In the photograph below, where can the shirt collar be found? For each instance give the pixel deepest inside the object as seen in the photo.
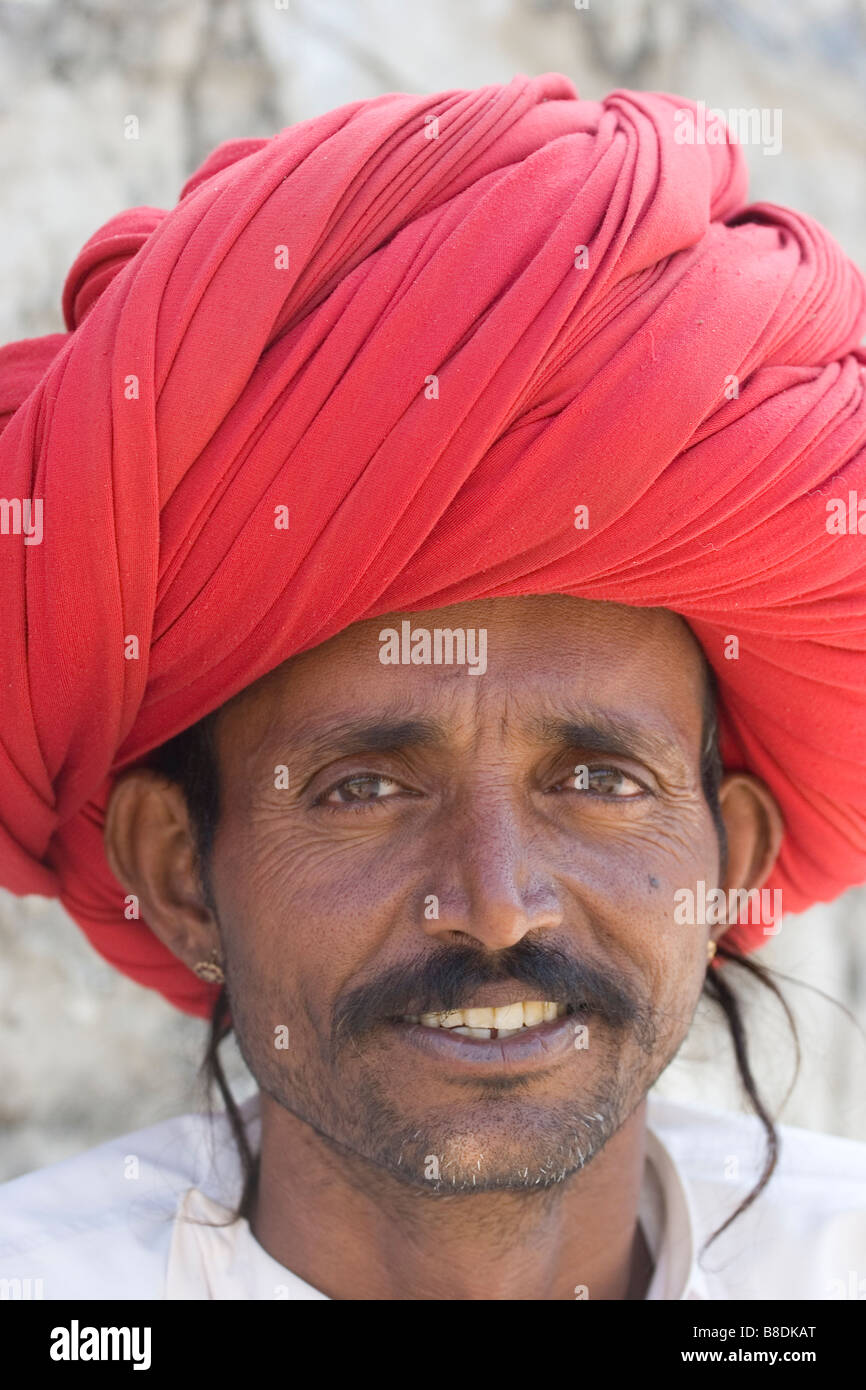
(668, 1221)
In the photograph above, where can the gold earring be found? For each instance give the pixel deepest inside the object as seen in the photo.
(210, 970)
(711, 950)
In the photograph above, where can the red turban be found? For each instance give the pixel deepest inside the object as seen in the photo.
(383, 320)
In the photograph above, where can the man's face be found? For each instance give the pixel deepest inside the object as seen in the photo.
(434, 849)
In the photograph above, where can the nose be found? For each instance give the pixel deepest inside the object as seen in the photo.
(491, 886)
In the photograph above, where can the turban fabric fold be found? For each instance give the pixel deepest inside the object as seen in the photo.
(431, 327)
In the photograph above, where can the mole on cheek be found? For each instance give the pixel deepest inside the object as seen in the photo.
(653, 881)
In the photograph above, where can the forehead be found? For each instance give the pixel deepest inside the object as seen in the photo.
(640, 664)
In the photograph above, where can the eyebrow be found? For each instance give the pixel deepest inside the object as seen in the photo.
(593, 730)
(599, 732)
(378, 734)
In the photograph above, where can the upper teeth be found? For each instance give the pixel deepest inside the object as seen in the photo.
(508, 1017)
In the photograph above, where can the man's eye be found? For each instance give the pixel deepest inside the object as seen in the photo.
(359, 789)
(603, 781)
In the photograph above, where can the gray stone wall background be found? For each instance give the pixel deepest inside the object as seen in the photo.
(85, 1053)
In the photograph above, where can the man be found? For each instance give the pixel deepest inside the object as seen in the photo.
(404, 487)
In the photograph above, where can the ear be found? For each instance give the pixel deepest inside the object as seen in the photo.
(150, 847)
(755, 829)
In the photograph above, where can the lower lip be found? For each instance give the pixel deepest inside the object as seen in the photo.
(532, 1049)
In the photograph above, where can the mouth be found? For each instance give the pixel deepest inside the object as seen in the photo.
(504, 1021)
(517, 1039)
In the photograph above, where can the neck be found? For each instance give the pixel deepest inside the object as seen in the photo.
(353, 1231)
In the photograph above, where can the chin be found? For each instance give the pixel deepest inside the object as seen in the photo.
(527, 1148)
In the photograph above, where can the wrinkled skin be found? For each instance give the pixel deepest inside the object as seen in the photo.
(322, 890)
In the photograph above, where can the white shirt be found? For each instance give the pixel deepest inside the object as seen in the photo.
(111, 1222)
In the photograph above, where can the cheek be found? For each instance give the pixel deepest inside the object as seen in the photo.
(302, 913)
(626, 883)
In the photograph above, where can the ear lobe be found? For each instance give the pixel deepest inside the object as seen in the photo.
(150, 849)
(755, 830)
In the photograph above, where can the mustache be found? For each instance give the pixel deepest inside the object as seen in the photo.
(449, 978)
